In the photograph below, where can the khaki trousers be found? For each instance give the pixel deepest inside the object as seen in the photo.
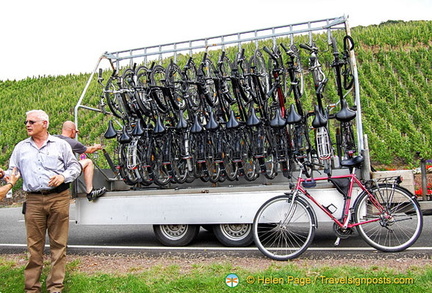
(46, 213)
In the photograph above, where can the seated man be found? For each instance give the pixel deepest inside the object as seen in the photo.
(69, 132)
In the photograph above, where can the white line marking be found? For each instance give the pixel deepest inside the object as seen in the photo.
(213, 248)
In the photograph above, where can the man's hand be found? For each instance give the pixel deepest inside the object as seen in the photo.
(56, 180)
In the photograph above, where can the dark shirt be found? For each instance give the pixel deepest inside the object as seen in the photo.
(77, 147)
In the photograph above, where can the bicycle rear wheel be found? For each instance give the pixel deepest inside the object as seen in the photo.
(284, 229)
(395, 229)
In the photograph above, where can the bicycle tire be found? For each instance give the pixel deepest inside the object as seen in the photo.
(190, 75)
(157, 82)
(258, 67)
(142, 87)
(175, 84)
(284, 230)
(398, 228)
(179, 163)
(208, 82)
(159, 174)
(114, 98)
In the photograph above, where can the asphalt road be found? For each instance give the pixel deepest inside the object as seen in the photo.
(140, 238)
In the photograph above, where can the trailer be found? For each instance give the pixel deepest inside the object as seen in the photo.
(178, 211)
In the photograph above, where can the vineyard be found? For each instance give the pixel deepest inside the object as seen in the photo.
(394, 65)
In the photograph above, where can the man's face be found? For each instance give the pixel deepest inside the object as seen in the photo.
(34, 125)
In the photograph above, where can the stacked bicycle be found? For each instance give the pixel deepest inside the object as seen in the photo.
(226, 119)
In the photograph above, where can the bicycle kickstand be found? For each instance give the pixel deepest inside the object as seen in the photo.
(337, 241)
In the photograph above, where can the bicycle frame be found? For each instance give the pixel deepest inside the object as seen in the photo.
(344, 222)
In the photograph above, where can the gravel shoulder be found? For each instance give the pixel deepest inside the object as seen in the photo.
(138, 263)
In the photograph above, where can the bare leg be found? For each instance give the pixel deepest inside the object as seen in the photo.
(88, 171)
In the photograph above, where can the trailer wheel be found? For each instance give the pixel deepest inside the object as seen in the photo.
(234, 234)
(175, 235)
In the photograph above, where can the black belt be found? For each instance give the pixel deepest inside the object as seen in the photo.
(62, 187)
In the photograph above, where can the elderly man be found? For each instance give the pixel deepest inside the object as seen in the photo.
(69, 132)
(47, 166)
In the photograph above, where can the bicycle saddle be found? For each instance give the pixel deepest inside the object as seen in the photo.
(253, 120)
(124, 137)
(138, 130)
(319, 120)
(111, 132)
(232, 122)
(353, 162)
(293, 116)
(278, 121)
(212, 123)
(196, 127)
(345, 114)
(159, 128)
(182, 123)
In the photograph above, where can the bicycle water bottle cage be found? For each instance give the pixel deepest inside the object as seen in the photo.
(196, 127)
(253, 120)
(319, 120)
(111, 132)
(232, 122)
(278, 121)
(182, 123)
(293, 116)
(212, 123)
(159, 128)
(309, 183)
(352, 162)
(345, 114)
(124, 137)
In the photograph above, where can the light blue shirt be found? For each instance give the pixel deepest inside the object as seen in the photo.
(38, 165)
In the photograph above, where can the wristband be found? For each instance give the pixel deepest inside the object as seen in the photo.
(10, 184)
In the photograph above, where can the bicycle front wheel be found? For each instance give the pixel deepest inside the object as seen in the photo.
(394, 229)
(284, 229)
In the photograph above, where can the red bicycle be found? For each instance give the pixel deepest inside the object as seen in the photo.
(386, 215)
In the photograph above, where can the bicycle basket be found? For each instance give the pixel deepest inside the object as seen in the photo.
(341, 184)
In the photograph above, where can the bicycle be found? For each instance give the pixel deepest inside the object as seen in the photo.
(344, 81)
(386, 215)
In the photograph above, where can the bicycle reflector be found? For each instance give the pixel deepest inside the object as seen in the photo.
(309, 183)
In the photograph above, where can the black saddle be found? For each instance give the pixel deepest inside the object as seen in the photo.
(253, 119)
(182, 123)
(345, 114)
(353, 162)
(319, 120)
(232, 122)
(293, 116)
(212, 124)
(159, 128)
(196, 127)
(278, 121)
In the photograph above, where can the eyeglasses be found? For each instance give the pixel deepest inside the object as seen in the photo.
(31, 122)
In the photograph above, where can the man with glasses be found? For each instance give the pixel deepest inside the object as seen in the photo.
(69, 132)
(47, 165)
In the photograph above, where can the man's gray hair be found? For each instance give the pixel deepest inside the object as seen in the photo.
(41, 114)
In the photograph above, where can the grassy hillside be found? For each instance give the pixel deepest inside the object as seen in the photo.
(394, 64)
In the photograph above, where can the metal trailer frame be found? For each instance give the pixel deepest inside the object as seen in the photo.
(116, 59)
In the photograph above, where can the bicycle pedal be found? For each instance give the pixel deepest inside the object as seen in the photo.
(337, 241)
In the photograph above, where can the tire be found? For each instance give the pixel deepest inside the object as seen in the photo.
(283, 230)
(114, 98)
(234, 234)
(399, 229)
(176, 235)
